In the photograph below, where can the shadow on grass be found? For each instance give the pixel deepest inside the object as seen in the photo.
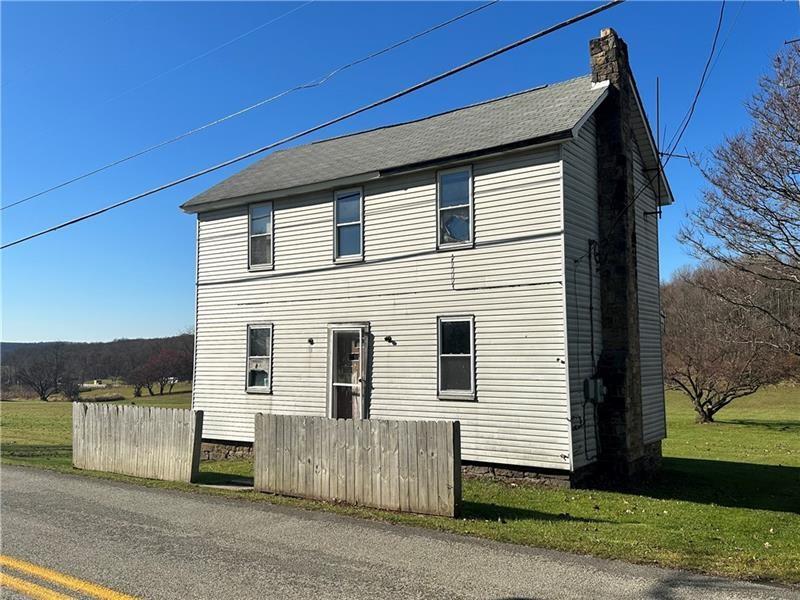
(12, 450)
(784, 426)
(483, 511)
(732, 484)
(219, 478)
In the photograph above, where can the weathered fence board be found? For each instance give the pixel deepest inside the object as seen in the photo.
(412, 466)
(156, 443)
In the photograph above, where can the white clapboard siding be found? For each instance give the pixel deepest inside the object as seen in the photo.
(653, 413)
(581, 224)
(512, 282)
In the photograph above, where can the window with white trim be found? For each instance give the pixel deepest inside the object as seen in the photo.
(259, 358)
(348, 211)
(456, 356)
(454, 207)
(260, 230)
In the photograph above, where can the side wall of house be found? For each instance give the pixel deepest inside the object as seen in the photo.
(653, 410)
(584, 324)
(511, 281)
(581, 225)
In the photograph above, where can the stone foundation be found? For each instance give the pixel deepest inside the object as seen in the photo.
(514, 474)
(213, 450)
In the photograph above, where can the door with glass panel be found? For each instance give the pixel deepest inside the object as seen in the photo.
(348, 372)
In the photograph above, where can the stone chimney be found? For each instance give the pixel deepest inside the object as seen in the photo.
(623, 453)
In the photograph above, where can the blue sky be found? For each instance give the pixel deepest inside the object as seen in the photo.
(85, 83)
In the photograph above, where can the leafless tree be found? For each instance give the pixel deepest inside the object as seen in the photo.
(41, 369)
(70, 386)
(749, 218)
(712, 350)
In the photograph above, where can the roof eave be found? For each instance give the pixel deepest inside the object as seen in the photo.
(553, 138)
(199, 207)
(665, 198)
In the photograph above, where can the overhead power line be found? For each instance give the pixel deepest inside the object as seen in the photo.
(309, 84)
(210, 51)
(339, 119)
(672, 146)
(678, 135)
(703, 78)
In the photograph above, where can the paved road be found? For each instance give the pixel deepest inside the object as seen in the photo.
(155, 543)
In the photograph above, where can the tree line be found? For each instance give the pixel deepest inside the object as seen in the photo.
(49, 368)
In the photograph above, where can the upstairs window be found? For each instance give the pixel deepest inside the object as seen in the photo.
(456, 358)
(454, 207)
(348, 211)
(259, 358)
(260, 235)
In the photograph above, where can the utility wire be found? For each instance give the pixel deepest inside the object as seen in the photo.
(688, 117)
(685, 121)
(209, 52)
(310, 84)
(339, 119)
(671, 146)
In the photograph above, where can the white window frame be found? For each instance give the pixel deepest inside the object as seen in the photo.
(470, 394)
(270, 233)
(471, 206)
(266, 389)
(348, 257)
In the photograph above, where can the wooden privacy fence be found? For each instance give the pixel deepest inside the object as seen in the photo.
(412, 466)
(157, 443)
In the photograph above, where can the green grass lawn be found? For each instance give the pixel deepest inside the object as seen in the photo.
(727, 501)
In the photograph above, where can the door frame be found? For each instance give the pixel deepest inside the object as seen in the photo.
(363, 327)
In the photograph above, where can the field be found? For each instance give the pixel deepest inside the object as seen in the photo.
(727, 501)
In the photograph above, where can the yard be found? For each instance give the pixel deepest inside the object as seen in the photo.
(727, 501)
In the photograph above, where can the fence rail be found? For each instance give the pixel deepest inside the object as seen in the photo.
(412, 466)
(157, 443)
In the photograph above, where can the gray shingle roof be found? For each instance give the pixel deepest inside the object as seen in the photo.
(540, 113)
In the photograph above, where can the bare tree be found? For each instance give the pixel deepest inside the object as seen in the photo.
(41, 368)
(71, 386)
(749, 219)
(712, 350)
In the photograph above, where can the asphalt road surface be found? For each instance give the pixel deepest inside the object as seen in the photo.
(76, 535)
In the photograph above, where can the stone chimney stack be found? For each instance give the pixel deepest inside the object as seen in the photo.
(623, 452)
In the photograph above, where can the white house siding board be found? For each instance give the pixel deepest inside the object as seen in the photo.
(653, 417)
(581, 223)
(511, 281)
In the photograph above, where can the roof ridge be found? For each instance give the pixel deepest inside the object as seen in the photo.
(449, 111)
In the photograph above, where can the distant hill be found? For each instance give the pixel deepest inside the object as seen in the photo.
(6, 348)
(101, 358)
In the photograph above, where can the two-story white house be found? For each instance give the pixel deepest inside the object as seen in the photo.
(495, 264)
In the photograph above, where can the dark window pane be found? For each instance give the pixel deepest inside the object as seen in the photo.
(261, 250)
(346, 402)
(260, 217)
(349, 240)
(454, 189)
(454, 225)
(348, 357)
(456, 374)
(456, 337)
(258, 379)
(259, 342)
(348, 208)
